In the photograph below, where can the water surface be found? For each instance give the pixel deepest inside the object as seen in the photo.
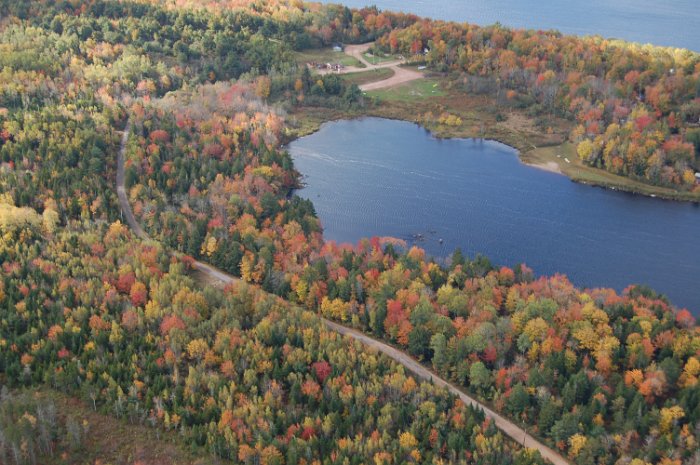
(674, 23)
(390, 178)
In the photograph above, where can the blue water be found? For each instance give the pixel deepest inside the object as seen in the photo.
(674, 23)
(390, 178)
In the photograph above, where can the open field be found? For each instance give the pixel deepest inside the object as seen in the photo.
(116, 442)
(379, 59)
(411, 91)
(327, 55)
(365, 77)
(422, 101)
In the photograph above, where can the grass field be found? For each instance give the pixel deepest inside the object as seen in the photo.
(379, 59)
(365, 77)
(327, 55)
(112, 441)
(411, 91)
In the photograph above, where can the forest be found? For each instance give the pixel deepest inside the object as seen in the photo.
(242, 373)
(249, 373)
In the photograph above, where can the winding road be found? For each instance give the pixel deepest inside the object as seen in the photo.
(401, 75)
(518, 434)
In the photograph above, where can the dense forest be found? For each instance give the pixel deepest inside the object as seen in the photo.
(249, 373)
(250, 377)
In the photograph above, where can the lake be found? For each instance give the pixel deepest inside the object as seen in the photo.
(378, 177)
(673, 23)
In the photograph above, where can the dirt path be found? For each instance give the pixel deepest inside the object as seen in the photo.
(515, 432)
(401, 75)
(121, 190)
(130, 219)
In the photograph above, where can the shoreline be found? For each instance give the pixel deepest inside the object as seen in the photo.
(537, 148)
(550, 167)
(524, 156)
(320, 116)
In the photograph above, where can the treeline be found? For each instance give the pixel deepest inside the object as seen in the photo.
(32, 427)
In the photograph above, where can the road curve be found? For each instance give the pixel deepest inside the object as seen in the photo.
(518, 434)
(515, 432)
(401, 75)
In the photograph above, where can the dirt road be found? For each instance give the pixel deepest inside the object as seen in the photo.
(121, 190)
(128, 214)
(401, 75)
(517, 433)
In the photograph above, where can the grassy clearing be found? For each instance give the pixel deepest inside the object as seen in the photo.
(410, 92)
(379, 59)
(327, 55)
(577, 171)
(414, 100)
(365, 77)
(116, 442)
(481, 115)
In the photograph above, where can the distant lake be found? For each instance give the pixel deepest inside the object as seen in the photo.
(674, 23)
(378, 177)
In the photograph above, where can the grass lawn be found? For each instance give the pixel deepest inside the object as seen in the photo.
(365, 77)
(327, 55)
(411, 91)
(379, 59)
(577, 171)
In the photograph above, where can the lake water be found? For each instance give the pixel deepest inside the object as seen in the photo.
(377, 177)
(673, 23)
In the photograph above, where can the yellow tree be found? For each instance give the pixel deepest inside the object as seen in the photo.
(262, 87)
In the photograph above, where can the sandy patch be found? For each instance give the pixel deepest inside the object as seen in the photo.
(550, 166)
